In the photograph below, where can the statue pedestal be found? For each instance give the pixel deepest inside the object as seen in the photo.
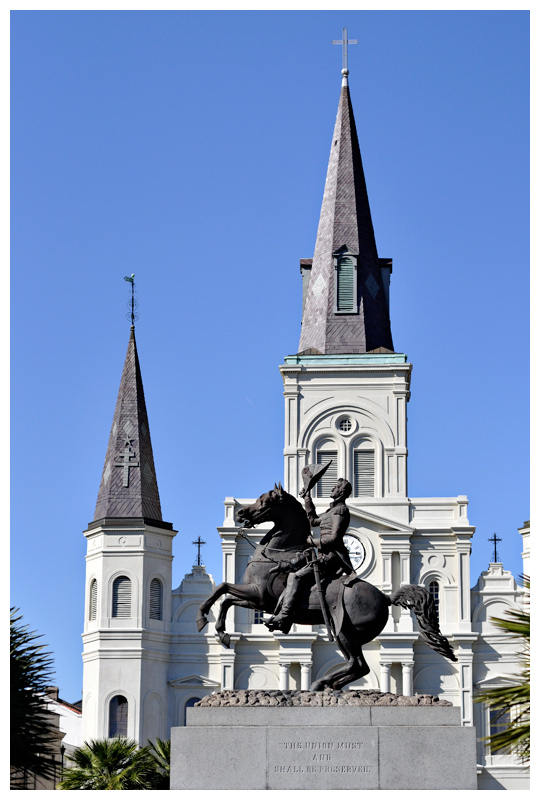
(323, 747)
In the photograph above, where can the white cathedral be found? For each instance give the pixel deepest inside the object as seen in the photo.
(346, 394)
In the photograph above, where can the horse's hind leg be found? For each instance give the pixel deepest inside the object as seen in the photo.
(241, 591)
(356, 668)
(224, 637)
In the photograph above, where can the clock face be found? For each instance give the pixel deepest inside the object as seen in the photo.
(356, 550)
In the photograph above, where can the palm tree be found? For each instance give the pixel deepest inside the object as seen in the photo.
(32, 732)
(110, 764)
(161, 752)
(513, 701)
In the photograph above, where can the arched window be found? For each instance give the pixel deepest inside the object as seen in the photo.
(498, 722)
(121, 599)
(328, 480)
(364, 470)
(118, 716)
(93, 600)
(156, 599)
(433, 589)
(190, 703)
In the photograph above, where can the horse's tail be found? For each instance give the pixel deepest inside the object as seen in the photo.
(421, 602)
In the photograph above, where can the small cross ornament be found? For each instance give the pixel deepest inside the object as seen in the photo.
(199, 542)
(345, 42)
(495, 539)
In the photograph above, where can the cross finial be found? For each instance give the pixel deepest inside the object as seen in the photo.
(495, 539)
(345, 42)
(199, 542)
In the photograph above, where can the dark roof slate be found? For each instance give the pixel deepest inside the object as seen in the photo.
(345, 220)
(128, 486)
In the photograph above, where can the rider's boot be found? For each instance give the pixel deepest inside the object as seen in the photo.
(283, 619)
(350, 579)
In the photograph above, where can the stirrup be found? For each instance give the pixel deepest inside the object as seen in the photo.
(279, 622)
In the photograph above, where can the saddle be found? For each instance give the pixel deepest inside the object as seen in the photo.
(333, 592)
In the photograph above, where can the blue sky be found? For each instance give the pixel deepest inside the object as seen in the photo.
(190, 148)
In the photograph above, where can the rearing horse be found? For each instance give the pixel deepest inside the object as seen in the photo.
(364, 611)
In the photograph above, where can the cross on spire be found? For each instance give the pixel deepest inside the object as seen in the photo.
(199, 542)
(126, 454)
(495, 539)
(345, 42)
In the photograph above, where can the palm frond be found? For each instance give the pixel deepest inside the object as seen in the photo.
(32, 731)
(514, 699)
(110, 764)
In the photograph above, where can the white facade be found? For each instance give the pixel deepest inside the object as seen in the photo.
(162, 666)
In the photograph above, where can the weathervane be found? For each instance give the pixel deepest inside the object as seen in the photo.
(199, 542)
(133, 303)
(495, 539)
(345, 42)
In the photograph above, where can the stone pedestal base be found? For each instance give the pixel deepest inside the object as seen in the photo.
(325, 747)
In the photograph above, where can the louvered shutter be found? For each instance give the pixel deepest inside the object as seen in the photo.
(364, 473)
(93, 599)
(121, 606)
(156, 599)
(345, 277)
(328, 480)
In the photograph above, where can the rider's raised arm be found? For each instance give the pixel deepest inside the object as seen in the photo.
(314, 521)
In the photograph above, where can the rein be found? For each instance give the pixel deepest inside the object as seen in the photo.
(263, 551)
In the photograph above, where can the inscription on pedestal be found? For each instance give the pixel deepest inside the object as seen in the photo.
(308, 758)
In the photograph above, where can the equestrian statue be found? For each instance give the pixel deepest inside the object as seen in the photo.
(311, 581)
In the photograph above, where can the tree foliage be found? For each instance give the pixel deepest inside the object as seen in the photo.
(514, 699)
(31, 730)
(119, 763)
(116, 763)
(161, 752)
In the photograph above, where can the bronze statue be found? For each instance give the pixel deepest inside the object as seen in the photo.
(295, 582)
(332, 557)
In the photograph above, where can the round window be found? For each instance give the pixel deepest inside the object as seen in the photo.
(345, 424)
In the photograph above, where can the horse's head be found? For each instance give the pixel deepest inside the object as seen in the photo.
(269, 507)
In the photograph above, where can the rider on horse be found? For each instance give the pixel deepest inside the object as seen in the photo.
(333, 554)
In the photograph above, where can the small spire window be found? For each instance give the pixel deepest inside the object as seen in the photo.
(345, 295)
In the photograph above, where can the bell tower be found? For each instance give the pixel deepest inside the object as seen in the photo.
(127, 625)
(346, 390)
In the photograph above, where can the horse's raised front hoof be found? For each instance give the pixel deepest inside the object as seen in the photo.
(202, 622)
(225, 639)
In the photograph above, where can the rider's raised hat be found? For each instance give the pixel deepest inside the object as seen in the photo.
(312, 473)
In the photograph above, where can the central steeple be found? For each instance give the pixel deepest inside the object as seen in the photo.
(346, 304)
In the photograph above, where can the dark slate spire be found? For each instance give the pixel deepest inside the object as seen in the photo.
(128, 486)
(345, 223)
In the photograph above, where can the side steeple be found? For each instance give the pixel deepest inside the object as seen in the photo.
(346, 307)
(128, 486)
